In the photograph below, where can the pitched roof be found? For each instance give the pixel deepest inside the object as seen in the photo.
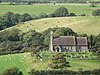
(64, 40)
(69, 40)
(81, 41)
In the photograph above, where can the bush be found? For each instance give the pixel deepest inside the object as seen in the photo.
(12, 71)
(61, 12)
(42, 15)
(96, 12)
(25, 17)
(92, 4)
(72, 14)
(82, 15)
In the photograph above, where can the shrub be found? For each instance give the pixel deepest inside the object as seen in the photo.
(72, 14)
(96, 12)
(12, 71)
(61, 12)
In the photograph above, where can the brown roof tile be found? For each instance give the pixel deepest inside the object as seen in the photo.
(64, 40)
(81, 41)
(70, 40)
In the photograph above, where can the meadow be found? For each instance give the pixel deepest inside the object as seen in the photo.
(75, 64)
(12, 60)
(80, 24)
(47, 8)
(87, 24)
(26, 62)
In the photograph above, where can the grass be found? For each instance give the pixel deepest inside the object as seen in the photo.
(85, 64)
(13, 60)
(75, 64)
(37, 9)
(88, 24)
(26, 62)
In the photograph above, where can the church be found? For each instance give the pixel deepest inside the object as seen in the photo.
(68, 44)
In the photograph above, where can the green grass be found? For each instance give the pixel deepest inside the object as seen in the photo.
(13, 60)
(75, 64)
(26, 62)
(85, 64)
(37, 9)
(88, 24)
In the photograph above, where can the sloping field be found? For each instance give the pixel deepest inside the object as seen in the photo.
(13, 60)
(88, 24)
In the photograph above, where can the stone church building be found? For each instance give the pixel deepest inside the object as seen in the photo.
(68, 44)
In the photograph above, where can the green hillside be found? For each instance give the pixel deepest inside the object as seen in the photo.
(37, 9)
(88, 24)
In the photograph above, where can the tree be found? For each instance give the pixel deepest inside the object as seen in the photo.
(42, 15)
(96, 12)
(14, 35)
(72, 14)
(25, 17)
(57, 32)
(61, 12)
(12, 71)
(64, 32)
(92, 41)
(58, 61)
(93, 4)
(0, 1)
(9, 19)
(15, 19)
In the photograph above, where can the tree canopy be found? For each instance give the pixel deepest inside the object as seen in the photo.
(96, 12)
(61, 12)
(12, 71)
(58, 61)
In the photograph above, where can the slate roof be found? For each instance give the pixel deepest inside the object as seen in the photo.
(69, 40)
(81, 41)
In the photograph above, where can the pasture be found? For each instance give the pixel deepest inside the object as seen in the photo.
(88, 24)
(75, 64)
(13, 60)
(26, 62)
(47, 8)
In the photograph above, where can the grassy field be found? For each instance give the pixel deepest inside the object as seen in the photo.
(26, 62)
(88, 24)
(75, 64)
(13, 60)
(37, 9)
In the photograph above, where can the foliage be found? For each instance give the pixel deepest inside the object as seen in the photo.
(96, 12)
(14, 40)
(0, 1)
(25, 17)
(42, 15)
(12, 71)
(72, 14)
(57, 32)
(61, 12)
(65, 72)
(58, 61)
(93, 4)
(10, 19)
